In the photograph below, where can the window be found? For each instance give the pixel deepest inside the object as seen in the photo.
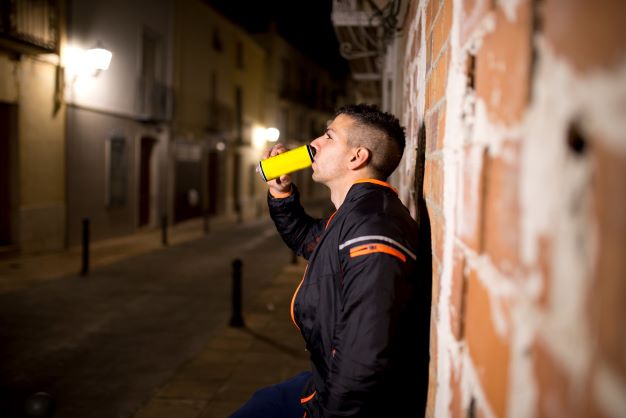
(116, 154)
(239, 114)
(217, 41)
(239, 55)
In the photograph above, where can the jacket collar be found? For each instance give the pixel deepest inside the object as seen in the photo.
(376, 181)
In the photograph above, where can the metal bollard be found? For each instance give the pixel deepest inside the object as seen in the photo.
(164, 230)
(41, 405)
(236, 320)
(85, 268)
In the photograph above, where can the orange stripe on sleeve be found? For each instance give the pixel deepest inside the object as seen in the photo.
(376, 248)
(308, 398)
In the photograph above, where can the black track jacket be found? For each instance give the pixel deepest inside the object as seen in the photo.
(361, 307)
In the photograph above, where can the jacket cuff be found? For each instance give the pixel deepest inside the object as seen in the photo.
(281, 195)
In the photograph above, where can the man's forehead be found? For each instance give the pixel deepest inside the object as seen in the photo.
(339, 122)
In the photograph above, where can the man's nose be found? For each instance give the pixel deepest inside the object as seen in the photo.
(315, 144)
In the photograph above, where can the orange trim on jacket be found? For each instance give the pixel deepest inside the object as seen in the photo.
(376, 248)
(293, 299)
(376, 181)
(308, 398)
(281, 195)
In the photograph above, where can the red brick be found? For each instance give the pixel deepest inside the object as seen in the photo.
(589, 34)
(435, 123)
(503, 65)
(436, 286)
(473, 13)
(436, 84)
(436, 183)
(607, 303)
(441, 126)
(437, 228)
(458, 294)
(441, 29)
(474, 172)
(428, 172)
(557, 396)
(431, 123)
(429, 51)
(501, 220)
(431, 13)
(489, 351)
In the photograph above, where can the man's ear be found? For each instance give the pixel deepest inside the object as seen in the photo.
(359, 158)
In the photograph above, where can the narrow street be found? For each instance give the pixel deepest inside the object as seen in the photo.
(102, 344)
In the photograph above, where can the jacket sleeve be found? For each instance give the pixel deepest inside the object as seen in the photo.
(300, 231)
(376, 291)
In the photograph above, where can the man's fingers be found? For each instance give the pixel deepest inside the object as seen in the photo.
(277, 149)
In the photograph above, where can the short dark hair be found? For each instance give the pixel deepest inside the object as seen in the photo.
(386, 142)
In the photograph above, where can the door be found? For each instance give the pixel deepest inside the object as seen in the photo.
(212, 185)
(8, 131)
(147, 145)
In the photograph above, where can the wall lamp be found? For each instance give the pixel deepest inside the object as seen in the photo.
(98, 58)
(91, 62)
(261, 135)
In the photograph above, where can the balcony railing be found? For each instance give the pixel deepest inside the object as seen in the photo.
(221, 120)
(31, 23)
(155, 100)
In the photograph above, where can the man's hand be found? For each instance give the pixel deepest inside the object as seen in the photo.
(282, 184)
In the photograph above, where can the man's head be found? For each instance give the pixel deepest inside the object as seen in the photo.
(361, 140)
(380, 133)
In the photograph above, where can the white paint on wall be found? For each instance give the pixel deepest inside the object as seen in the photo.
(522, 389)
(452, 180)
(471, 387)
(609, 391)
(510, 8)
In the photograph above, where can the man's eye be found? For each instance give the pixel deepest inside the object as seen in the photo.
(328, 136)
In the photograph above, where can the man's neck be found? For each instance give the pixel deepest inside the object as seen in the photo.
(339, 189)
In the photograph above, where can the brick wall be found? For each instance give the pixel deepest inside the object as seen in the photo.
(523, 106)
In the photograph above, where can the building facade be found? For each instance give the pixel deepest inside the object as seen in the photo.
(219, 116)
(117, 120)
(32, 127)
(301, 98)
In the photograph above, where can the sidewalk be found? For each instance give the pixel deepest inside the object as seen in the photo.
(237, 361)
(22, 271)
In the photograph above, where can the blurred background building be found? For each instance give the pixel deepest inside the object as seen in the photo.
(162, 114)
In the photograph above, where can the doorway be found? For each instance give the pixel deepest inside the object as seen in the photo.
(145, 179)
(212, 185)
(8, 132)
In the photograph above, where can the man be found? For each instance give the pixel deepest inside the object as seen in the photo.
(361, 306)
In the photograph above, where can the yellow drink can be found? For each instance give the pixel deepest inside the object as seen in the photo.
(287, 162)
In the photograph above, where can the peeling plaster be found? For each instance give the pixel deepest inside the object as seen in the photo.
(555, 201)
(475, 42)
(471, 387)
(452, 173)
(500, 288)
(510, 8)
(610, 391)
